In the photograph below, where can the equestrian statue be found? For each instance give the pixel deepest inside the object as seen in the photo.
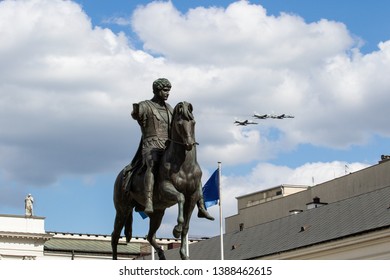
(163, 172)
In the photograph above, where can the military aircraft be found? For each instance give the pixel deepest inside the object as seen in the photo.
(244, 123)
(262, 117)
(278, 116)
(282, 116)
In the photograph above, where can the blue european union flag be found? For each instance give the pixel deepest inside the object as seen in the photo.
(143, 215)
(211, 190)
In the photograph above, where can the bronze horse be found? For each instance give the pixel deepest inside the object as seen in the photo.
(177, 182)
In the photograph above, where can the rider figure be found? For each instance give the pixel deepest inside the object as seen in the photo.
(154, 117)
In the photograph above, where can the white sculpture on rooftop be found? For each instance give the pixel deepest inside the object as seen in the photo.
(28, 205)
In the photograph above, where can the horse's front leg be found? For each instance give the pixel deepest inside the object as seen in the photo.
(172, 194)
(188, 209)
(177, 230)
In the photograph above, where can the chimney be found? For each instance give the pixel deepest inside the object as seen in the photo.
(384, 158)
(315, 204)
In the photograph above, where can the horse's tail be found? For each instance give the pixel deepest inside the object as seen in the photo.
(129, 226)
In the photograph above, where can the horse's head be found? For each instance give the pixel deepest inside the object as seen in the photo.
(183, 125)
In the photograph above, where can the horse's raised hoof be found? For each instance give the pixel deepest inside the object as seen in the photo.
(177, 231)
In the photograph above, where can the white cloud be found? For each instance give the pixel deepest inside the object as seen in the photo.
(240, 34)
(118, 20)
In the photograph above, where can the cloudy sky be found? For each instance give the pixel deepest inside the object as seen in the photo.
(71, 70)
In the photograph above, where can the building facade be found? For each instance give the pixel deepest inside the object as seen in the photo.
(22, 237)
(250, 214)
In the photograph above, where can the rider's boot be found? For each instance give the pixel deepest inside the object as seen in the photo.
(202, 212)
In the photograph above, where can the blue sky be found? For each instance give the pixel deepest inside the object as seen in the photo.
(71, 70)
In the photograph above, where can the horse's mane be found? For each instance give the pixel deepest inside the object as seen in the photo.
(183, 109)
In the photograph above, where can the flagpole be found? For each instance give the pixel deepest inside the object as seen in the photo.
(220, 209)
(152, 252)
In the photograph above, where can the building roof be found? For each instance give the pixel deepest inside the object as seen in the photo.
(98, 244)
(274, 188)
(345, 218)
(90, 244)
